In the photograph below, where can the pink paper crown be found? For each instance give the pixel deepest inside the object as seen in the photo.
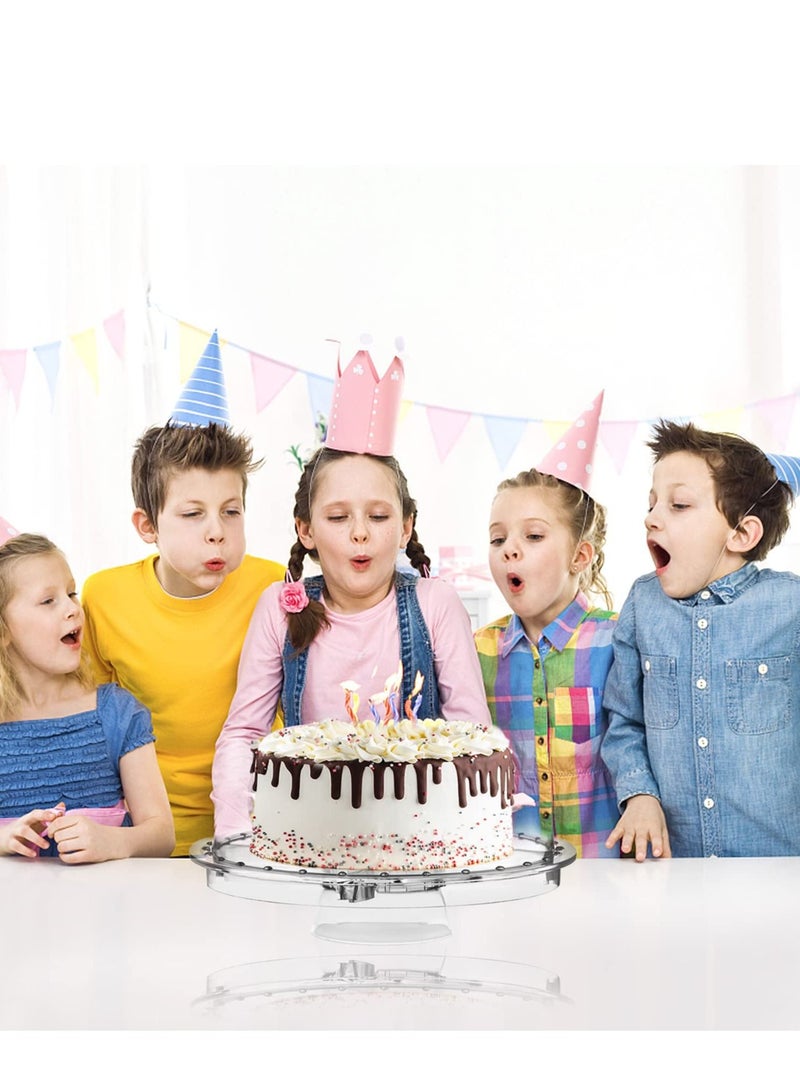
(364, 410)
(572, 457)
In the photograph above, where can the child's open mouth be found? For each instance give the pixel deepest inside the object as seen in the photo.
(660, 556)
(515, 584)
(71, 638)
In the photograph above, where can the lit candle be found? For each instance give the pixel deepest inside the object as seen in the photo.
(351, 699)
(413, 708)
(393, 684)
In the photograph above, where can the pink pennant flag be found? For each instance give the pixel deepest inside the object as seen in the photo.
(269, 378)
(12, 365)
(115, 332)
(617, 436)
(446, 426)
(778, 413)
(6, 531)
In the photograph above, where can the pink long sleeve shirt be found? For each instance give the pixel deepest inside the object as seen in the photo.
(362, 647)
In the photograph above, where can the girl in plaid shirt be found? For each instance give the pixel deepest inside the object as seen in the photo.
(545, 665)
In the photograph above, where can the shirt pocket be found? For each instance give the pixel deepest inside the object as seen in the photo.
(660, 691)
(577, 713)
(758, 694)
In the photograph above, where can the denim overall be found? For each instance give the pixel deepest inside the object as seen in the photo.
(416, 653)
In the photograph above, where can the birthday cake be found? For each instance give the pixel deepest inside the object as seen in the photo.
(394, 795)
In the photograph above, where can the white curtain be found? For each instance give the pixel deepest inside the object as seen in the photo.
(518, 292)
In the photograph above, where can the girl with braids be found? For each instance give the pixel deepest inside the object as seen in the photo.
(545, 665)
(354, 622)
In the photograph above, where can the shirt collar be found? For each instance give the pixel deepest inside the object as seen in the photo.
(726, 588)
(557, 633)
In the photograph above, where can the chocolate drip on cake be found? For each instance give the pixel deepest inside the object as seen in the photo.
(475, 773)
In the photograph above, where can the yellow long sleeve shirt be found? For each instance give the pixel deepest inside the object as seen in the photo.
(180, 658)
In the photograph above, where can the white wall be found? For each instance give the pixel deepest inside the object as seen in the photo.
(520, 292)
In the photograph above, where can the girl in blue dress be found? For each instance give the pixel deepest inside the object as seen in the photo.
(78, 771)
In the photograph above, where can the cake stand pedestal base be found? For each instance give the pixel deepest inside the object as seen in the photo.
(365, 922)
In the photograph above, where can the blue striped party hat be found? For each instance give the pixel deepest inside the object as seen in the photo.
(203, 400)
(787, 468)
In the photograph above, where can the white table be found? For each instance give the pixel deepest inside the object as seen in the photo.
(143, 944)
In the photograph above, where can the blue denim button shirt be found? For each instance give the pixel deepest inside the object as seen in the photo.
(703, 700)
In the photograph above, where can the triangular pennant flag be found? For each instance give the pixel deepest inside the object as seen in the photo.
(617, 436)
(446, 426)
(191, 344)
(269, 378)
(115, 332)
(49, 357)
(6, 531)
(504, 434)
(86, 346)
(12, 365)
(203, 400)
(778, 413)
(320, 392)
(724, 420)
(405, 409)
(554, 429)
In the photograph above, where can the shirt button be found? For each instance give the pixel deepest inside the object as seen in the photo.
(536, 664)
(708, 803)
(540, 740)
(702, 742)
(545, 814)
(705, 594)
(701, 683)
(647, 664)
(762, 668)
(544, 776)
(702, 623)
(540, 700)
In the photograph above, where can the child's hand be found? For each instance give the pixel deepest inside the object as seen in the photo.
(642, 822)
(26, 835)
(81, 840)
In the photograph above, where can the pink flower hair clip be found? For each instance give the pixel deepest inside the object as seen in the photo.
(293, 597)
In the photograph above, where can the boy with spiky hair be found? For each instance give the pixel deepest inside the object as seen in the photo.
(703, 696)
(170, 628)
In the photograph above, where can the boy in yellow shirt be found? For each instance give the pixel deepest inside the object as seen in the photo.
(170, 628)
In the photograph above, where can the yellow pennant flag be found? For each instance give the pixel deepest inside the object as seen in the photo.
(85, 345)
(555, 429)
(726, 420)
(405, 407)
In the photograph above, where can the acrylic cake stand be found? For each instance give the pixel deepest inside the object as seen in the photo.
(382, 906)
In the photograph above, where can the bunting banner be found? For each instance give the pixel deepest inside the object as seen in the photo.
(270, 376)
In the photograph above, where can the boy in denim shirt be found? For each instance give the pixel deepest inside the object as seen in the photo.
(703, 697)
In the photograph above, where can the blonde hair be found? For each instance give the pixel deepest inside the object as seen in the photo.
(11, 553)
(585, 519)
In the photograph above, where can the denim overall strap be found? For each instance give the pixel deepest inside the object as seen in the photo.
(295, 666)
(416, 653)
(416, 650)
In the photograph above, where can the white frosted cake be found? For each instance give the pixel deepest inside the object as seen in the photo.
(408, 795)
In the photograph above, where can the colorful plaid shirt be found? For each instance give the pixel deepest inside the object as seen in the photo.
(548, 699)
